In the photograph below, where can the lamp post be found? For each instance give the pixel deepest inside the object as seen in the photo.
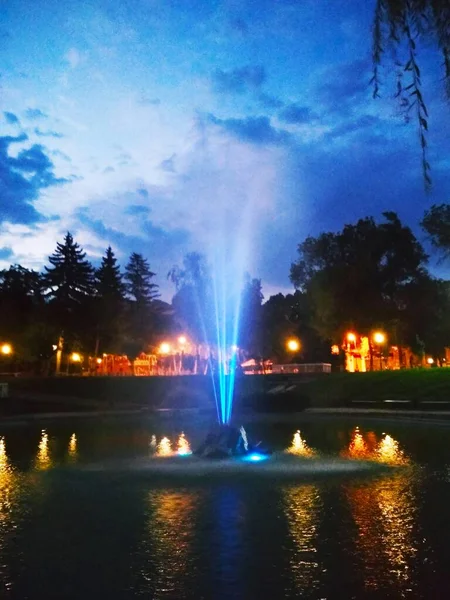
(6, 349)
(379, 338)
(293, 345)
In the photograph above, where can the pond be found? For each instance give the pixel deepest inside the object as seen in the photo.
(74, 526)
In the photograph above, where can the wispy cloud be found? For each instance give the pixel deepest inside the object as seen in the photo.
(238, 81)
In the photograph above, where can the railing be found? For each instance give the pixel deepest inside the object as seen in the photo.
(302, 368)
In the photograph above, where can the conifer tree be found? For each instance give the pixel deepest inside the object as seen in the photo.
(110, 303)
(70, 278)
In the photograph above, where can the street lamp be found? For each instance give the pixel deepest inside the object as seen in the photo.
(164, 348)
(75, 357)
(430, 360)
(6, 349)
(351, 337)
(293, 345)
(182, 340)
(379, 338)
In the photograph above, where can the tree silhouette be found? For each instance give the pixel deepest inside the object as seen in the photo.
(436, 223)
(400, 26)
(110, 303)
(141, 292)
(69, 286)
(70, 278)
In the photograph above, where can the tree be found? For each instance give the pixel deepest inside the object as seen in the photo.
(356, 278)
(141, 292)
(23, 314)
(193, 300)
(138, 278)
(69, 286)
(436, 222)
(71, 277)
(250, 318)
(401, 25)
(110, 303)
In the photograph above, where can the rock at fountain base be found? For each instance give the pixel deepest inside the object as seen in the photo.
(225, 441)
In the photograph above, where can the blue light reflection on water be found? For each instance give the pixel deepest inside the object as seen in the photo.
(255, 457)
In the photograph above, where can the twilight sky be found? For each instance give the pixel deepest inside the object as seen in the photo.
(135, 123)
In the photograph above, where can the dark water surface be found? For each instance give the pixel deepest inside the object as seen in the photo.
(67, 531)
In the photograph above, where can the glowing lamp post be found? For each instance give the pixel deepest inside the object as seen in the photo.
(6, 349)
(182, 340)
(351, 337)
(430, 361)
(164, 348)
(293, 345)
(379, 338)
(75, 357)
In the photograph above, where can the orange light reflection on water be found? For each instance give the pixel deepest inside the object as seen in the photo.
(368, 447)
(43, 459)
(302, 507)
(167, 543)
(385, 513)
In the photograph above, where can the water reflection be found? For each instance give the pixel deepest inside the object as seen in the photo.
(7, 480)
(184, 447)
(385, 514)
(299, 447)
(302, 506)
(164, 447)
(43, 459)
(167, 544)
(72, 450)
(367, 447)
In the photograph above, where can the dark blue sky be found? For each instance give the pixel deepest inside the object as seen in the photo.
(134, 124)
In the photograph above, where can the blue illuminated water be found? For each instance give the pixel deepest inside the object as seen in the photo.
(228, 279)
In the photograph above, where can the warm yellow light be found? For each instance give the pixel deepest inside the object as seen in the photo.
(164, 348)
(75, 357)
(164, 447)
(299, 447)
(379, 337)
(99, 361)
(334, 349)
(183, 445)
(182, 340)
(430, 360)
(6, 349)
(293, 345)
(351, 337)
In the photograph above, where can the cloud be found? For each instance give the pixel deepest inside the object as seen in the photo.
(294, 114)
(73, 57)
(61, 155)
(256, 130)
(152, 237)
(11, 118)
(238, 81)
(344, 87)
(21, 180)
(35, 113)
(269, 101)
(145, 100)
(352, 126)
(137, 210)
(108, 170)
(168, 165)
(47, 133)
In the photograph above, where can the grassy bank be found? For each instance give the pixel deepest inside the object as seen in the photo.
(346, 389)
(272, 393)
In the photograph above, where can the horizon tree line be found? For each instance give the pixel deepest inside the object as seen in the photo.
(368, 275)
